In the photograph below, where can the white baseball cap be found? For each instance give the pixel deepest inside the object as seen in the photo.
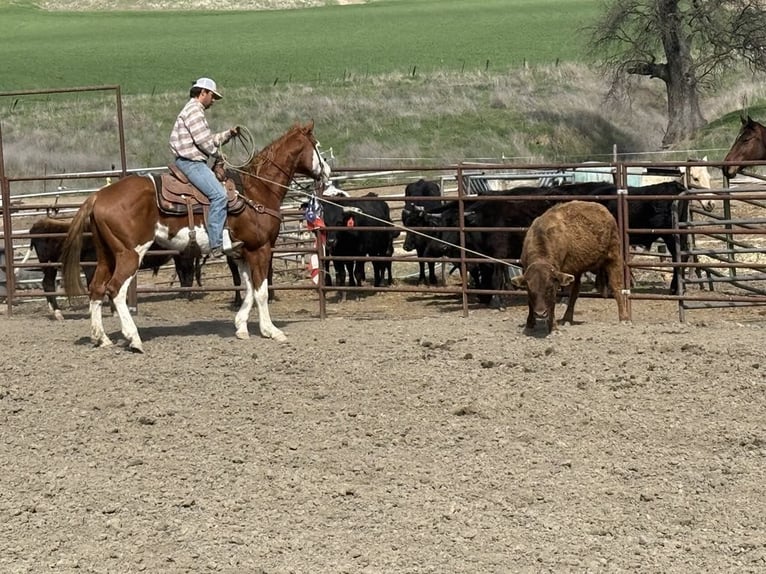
(208, 84)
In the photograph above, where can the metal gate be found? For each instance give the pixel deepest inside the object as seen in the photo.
(725, 257)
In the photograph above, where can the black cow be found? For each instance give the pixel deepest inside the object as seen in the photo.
(357, 242)
(510, 212)
(413, 215)
(49, 250)
(483, 211)
(656, 214)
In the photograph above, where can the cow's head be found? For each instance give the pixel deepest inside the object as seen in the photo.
(542, 282)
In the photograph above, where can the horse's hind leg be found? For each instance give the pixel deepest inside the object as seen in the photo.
(126, 267)
(115, 284)
(129, 329)
(97, 287)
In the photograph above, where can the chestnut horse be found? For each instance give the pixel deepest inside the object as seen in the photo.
(750, 145)
(125, 221)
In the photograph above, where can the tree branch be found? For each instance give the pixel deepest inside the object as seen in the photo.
(653, 70)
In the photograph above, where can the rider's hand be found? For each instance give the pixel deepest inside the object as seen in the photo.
(234, 131)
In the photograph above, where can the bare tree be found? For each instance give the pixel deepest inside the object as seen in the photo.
(688, 44)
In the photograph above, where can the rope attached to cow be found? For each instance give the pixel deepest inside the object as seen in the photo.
(244, 138)
(314, 214)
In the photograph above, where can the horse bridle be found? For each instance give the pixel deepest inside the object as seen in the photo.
(260, 208)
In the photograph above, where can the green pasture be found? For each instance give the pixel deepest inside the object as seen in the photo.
(149, 52)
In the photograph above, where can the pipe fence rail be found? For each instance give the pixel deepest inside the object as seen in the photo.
(704, 268)
(721, 261)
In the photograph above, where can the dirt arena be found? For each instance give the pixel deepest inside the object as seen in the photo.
(393, 436)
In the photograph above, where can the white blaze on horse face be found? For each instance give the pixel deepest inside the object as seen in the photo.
(320, 167)
(180, 241)
(699, 175)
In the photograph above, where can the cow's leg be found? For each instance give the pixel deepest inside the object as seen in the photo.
(49, 286)
(614, 276)
(340, 273)
(422, 274)
(359, 275)
(340, 277)
(420, 251)
(327, 277)
(670, 244)
(432, 280)
(378, 271)
(573, 294)
(236, 277)
(531, 321)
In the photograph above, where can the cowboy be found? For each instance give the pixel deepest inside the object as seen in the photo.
(193, 143)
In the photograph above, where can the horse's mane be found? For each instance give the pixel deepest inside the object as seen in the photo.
(267, 153)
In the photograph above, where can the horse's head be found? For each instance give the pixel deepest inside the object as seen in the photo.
(749, 146)
(309, 161)
(699, 176)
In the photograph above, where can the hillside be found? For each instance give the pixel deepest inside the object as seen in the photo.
(77, 5)
(526, 112)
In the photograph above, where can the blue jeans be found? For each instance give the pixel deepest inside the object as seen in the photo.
(205, 180)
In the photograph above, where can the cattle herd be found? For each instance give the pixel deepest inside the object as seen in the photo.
(568, 236)
(563, 241)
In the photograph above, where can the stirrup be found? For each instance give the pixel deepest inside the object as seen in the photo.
(228, 244)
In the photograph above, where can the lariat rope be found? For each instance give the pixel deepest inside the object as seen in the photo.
(245, 139)
(409, 230)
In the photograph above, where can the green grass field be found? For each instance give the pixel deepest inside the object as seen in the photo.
(493, 79)
(148, 52)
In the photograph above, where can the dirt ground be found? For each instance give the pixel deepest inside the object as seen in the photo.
(394, 436)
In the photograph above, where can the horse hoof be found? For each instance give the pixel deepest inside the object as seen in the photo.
(243, 335)
(58, 315)
(137, 348)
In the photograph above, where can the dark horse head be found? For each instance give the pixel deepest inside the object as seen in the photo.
(750, 145)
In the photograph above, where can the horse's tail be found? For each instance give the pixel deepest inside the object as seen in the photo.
(70, 257)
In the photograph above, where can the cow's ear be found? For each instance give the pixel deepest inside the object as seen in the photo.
(519, 281)
(564, 278)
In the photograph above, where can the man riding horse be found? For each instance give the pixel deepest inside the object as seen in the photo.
(193, 143)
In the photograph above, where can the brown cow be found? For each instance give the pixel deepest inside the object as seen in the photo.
(562, 244)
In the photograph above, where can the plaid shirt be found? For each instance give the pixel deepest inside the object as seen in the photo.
(191, 137)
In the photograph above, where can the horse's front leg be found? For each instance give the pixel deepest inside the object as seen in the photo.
(256, 288)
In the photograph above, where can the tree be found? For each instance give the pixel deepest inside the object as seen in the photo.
(686, 44)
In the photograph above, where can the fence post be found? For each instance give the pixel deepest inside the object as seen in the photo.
(7, 260)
